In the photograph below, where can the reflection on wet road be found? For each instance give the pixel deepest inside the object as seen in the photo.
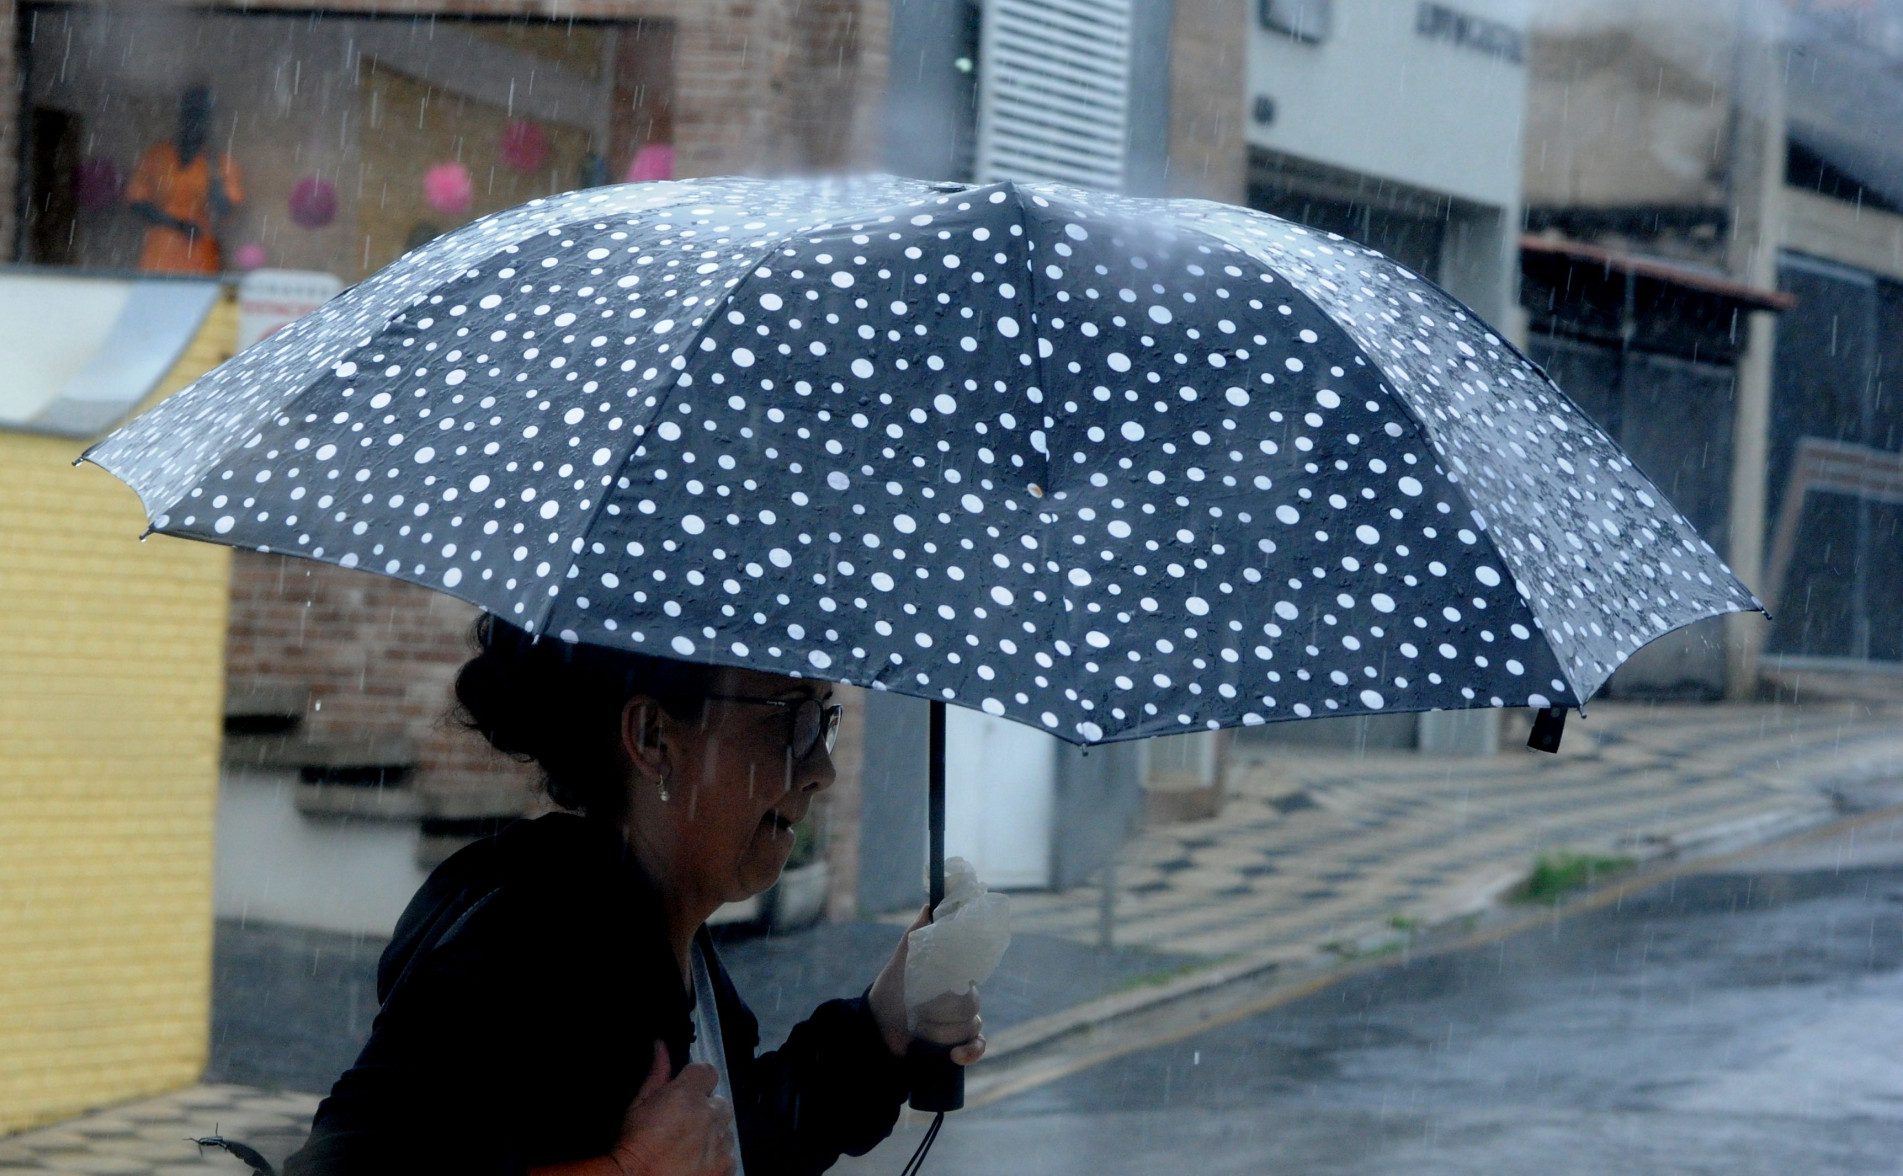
(1745, 1020)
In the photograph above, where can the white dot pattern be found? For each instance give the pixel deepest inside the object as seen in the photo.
(1108, 466)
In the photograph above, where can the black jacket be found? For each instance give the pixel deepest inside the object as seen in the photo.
(522, 994)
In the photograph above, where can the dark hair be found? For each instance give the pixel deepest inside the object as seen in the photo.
(558, 703)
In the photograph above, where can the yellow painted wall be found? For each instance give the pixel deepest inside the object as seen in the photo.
(111, 705)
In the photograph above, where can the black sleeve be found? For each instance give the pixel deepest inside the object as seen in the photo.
(832, 1089)
(445, 1082)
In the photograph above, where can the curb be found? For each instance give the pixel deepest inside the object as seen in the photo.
(1723, 837)
(1290, 971)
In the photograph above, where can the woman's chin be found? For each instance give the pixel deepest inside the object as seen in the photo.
(765, 860)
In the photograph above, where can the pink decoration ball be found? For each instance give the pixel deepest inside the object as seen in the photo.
(449, 189)
(525, 145)
(250, 256)
(655, 161)
(313, 203)
(97, 183)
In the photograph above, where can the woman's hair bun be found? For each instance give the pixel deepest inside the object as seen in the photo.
(558, 704)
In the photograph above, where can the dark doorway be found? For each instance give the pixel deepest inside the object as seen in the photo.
(55, 139)
(1412, 239)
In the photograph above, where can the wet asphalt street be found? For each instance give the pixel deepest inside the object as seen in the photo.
(1743, 1020)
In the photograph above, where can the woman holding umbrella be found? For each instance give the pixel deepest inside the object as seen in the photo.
(544, 992)
(1109, 467)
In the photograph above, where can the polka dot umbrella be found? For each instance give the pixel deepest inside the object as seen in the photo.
(1107, 466)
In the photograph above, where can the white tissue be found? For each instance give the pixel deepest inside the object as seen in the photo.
(962, 944)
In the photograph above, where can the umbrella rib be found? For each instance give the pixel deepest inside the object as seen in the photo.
(1422, 428)
(365, 297)
(1027, 306)
(661, 400)
(1575, 677)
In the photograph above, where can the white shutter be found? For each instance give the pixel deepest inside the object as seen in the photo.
(1054, 91)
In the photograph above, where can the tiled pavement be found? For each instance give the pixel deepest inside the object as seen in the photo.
(150, 1137)
(1313, 851)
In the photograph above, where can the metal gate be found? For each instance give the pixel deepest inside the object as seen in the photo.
(1673, 417)
(1839, 588)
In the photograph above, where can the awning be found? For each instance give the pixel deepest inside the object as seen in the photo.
(83, 350)
(1652, 269)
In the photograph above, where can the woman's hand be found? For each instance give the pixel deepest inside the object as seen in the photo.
(676, 1127)
(951, 1019)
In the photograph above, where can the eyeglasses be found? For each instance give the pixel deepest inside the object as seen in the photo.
(808, 721)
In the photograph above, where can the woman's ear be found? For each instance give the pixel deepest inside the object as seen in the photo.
(641, 736)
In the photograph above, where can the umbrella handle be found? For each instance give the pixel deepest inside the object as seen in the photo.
(938, 1083)
(1549, 724)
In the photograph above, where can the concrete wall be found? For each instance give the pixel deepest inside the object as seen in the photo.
(1628, 103)
(277, 865)
(9, 119)
(1862, 238)
(111, 684)
(891, 834)
(1380, 97)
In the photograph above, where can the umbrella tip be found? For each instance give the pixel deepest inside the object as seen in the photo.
(1548, 725)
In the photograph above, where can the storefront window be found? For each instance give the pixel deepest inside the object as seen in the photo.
(204, 141)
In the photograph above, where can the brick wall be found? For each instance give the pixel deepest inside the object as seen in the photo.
(776, 87)
(379, 658)
(110, 690)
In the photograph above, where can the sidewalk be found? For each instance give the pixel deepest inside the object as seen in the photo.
(1315, 860)
(1317, 849)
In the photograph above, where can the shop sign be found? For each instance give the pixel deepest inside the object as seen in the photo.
(1442, 22)
(1304, 20)
(270, 299)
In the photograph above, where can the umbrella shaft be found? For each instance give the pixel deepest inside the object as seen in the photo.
(938, 1083)
(935, 802)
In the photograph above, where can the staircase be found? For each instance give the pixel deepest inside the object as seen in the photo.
(367, 777)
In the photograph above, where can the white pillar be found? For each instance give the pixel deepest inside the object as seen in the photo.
(1480, 263)
(1757, 159)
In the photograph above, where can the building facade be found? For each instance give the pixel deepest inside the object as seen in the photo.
(1687, 212)
(1398, 125)
(1713, 269)
(186, 730)
(111, 684)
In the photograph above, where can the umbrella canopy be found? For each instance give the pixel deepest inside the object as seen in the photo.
(1111, 467)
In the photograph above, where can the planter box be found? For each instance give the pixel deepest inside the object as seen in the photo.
(1183, 777)
(797, 900)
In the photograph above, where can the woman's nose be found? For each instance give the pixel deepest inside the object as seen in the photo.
(816, 772)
